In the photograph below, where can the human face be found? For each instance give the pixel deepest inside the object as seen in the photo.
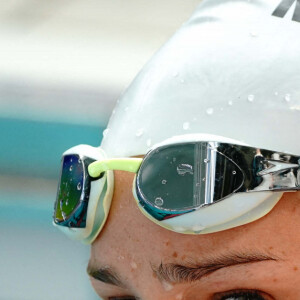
(134, 257)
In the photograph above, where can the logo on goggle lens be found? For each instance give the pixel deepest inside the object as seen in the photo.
(285, 6)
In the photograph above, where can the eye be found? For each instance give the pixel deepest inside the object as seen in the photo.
(242, 295)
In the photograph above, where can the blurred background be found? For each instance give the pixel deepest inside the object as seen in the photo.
(63, 65)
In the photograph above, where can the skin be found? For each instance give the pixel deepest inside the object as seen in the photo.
(133, 247)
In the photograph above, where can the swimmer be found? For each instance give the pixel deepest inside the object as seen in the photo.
(194, 191)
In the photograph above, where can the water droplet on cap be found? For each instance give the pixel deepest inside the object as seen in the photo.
(105, 132)
(253, 34)
(287, 97)
(250, 98)
(79, 160)
(164, 181)
(233, 172)
(139, 132)
(159, 201)
(210, 111)
(79, 186)
(71, 168)
(186, 125)
(206, 160)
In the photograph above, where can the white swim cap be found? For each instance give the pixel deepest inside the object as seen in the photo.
(232, 70)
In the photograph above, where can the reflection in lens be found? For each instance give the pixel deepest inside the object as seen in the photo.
(71, 181)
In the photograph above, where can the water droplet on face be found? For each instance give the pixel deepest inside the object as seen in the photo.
(105, 132)
(139, 132)
(159, 201)
(71, 168)
(186, 125)
(164, 181)
(167, 286)
(121, 257)
(287, 97)
(133, 265)
(179, 297)
(230, 103)
(210, 111)
(182, 169)
(148, 142)
(79, 186)
(250, 98)
(233, 172)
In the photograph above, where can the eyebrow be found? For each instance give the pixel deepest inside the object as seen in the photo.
(177, 273)
(105, 275)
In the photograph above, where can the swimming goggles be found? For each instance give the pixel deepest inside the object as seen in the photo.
(189, 187)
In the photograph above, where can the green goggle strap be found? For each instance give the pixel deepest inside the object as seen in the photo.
(122, 164)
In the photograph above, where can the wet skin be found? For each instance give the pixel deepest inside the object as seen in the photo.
(260, 258)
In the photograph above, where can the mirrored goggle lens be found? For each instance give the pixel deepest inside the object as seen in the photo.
(181, 177)
(73, 192)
